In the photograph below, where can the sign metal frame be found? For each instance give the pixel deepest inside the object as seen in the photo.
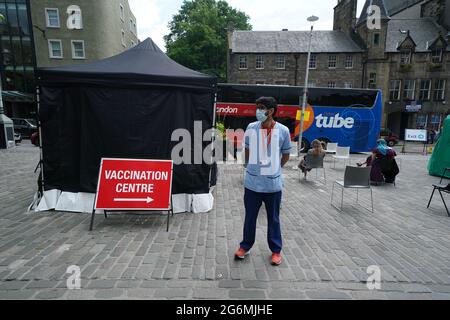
(169, 209)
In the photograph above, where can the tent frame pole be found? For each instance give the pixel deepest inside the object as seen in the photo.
(41, 181)
(213, 140)
(41, 151)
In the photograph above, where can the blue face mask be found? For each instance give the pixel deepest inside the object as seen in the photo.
(261, 115)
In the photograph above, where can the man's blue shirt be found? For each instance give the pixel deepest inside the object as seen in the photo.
(264, 167)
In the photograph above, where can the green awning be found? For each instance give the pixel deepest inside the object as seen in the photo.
(16, 96)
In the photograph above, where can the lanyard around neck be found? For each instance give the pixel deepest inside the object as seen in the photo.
(267, 131)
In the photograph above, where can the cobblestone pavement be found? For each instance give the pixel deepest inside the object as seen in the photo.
(326, 253)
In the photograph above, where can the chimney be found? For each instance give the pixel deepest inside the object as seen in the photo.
(345, 16)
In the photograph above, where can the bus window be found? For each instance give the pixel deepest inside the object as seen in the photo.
(342, 98)
(318, 97)
(235, 93)
(245, 94)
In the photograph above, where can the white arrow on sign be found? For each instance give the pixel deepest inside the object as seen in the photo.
(148, 200)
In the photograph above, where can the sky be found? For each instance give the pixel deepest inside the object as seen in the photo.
(153, 16)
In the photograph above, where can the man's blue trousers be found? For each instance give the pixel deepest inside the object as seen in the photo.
(253, 201)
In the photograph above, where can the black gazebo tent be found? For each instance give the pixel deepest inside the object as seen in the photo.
(126, 106)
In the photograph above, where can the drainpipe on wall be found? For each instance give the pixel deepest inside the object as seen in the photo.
(296, 56)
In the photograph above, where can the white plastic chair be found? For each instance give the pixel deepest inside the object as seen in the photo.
(342, 153)
(331, 147)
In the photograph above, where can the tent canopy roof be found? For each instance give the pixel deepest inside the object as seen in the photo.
(144, 64)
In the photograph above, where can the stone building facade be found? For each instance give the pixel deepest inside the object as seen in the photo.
(406, 55)
(50, 33)
(274, 58)
(72, 32)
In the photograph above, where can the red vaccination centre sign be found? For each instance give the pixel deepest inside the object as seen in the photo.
(128, 184)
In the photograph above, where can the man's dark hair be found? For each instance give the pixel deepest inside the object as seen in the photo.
(269, 103)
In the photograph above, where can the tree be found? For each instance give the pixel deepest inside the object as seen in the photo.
(198, 35)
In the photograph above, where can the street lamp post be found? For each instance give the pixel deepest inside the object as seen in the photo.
(311, 19)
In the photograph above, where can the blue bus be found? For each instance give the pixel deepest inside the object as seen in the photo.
(349, 117)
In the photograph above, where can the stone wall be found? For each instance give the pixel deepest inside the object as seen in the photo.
(320, 76)
(433, 8)
(345, 15)
(101, 30)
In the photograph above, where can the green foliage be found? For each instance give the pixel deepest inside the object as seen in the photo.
(435, 66)
(220, 126)
(405, 67)
(198, 35)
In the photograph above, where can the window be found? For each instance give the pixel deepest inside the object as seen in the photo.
(6, 50)
(349, 62)
(439, 90)
(280, 83)
(394, 90)
(122, 13)
(331, 84)
(409, 88)
(123, 39)
(376, 39)
(405, 57)
(55, 49)
(132, 43)
(243, 82)
(259, 62)
(332, 62)
(311, 84)
(22, 14)
(243, 62)
(52, 17)
(11, 17)
(373, 80)
(435, 121)
(421, 121)
(131, 25)
(27, 51)
(425, 90)
(16, 50)
(436, 55)
(260, 82)
(348, 85)
(280, 62)
(313, 62)
(75, 21)
(78, 49)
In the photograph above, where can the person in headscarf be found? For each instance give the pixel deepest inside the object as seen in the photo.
(383, 149)
(383, 164)
(385, 155)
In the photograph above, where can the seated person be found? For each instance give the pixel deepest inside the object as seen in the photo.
(317, 151)
(382, 161)
(376, 176)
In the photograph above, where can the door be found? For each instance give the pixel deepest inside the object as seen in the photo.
(403, 124)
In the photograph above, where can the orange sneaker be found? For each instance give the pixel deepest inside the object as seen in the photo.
(276, 259)
(240, 254)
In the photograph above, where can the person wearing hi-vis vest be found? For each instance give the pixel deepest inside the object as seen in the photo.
(267, 150)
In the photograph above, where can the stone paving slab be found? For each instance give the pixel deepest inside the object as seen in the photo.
(326, 252)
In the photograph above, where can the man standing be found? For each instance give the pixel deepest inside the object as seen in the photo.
(267, 149)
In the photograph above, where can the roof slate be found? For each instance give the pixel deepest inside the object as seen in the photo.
(421, 31)
(292, 42)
